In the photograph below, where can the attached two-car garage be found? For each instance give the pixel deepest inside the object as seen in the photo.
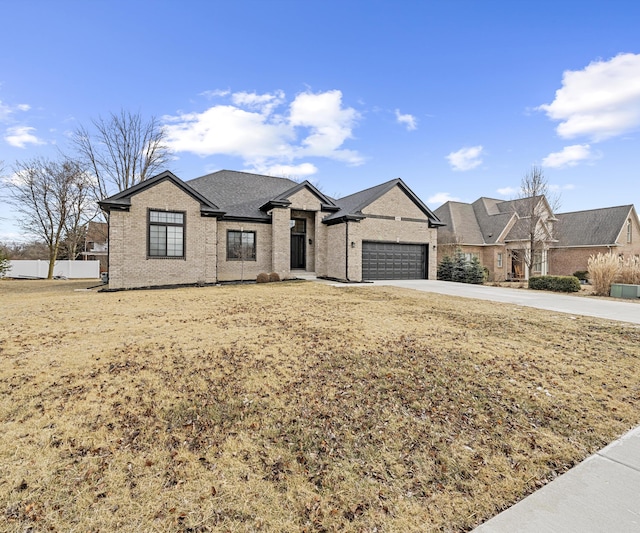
(390, 260)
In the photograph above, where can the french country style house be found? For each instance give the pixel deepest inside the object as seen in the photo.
(499, 233)
(231, 226)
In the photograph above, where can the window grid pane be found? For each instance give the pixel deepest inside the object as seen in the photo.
(166, 234)
(241, 245)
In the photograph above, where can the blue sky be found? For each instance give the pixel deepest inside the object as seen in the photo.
(457, 98)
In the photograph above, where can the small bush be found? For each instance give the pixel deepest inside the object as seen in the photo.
(475, 272)
(603, 269)
(5, 265)
(458, 269)
(555, 283)
(582, 275)
(274, 276)
(445, 268)
(263, 277)
(459, 272)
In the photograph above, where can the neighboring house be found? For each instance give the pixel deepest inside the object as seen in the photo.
(96, 243)
(582, 234)
(499, 233)
(230, 226)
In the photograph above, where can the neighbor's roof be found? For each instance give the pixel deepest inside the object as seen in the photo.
(595, 227)
(460, 221)
(486, 220)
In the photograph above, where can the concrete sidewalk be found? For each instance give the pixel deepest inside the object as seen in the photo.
(601, 494)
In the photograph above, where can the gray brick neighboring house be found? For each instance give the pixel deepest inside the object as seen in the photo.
(496, 231)
(231, 226)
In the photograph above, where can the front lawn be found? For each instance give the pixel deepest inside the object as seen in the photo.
(294, 406)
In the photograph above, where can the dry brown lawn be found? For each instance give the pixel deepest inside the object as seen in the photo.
(294, 407)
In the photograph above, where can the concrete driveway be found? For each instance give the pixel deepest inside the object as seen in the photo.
(614, 309)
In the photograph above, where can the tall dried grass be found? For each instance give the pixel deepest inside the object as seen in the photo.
(630, 271)
(603, 270)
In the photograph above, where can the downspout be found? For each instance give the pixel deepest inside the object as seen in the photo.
(346, 251)
(108, 217)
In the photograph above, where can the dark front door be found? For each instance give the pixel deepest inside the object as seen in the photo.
(298, 243)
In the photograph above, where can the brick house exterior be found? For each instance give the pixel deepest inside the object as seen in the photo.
(582, 234)
(495, 231)
(498, 233)
(231, 226)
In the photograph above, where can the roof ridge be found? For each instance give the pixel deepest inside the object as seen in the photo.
(629, 206)
(369, 188)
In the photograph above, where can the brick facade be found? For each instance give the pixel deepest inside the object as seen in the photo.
(331, 249)
(129, 264)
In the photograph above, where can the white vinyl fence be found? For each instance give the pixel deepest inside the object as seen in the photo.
(62, 269)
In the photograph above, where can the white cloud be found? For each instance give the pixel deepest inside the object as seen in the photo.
(314, 125)
(287, 171)
(20, 136)
(215, 93)
(466, 158)
(507, 191)
(600, 101)
(440, 198)
(329, 124)
(569, 156)
(409, 121)
(559, 188)
(7, 110)
(265, 103)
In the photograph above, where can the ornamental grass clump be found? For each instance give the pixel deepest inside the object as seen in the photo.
(274, 276)
(263, 277)
(603, 270)
(630, 271)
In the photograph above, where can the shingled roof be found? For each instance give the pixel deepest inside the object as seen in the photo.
(487, 220)
(594, 227)
(241, 194)
(460, 221)
(351, 206)
(237, 195)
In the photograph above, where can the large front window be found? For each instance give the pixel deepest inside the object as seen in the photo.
(241, 245)
(166, 234)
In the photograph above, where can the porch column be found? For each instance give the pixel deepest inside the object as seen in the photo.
(320, 244)
(281, 241)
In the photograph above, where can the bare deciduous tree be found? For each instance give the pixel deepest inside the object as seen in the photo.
(81, 210)
(123, 151)
(535, 209)
(48, 196)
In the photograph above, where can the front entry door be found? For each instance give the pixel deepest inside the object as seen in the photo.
(298, 243)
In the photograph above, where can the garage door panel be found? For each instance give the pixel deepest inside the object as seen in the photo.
(393, 260)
